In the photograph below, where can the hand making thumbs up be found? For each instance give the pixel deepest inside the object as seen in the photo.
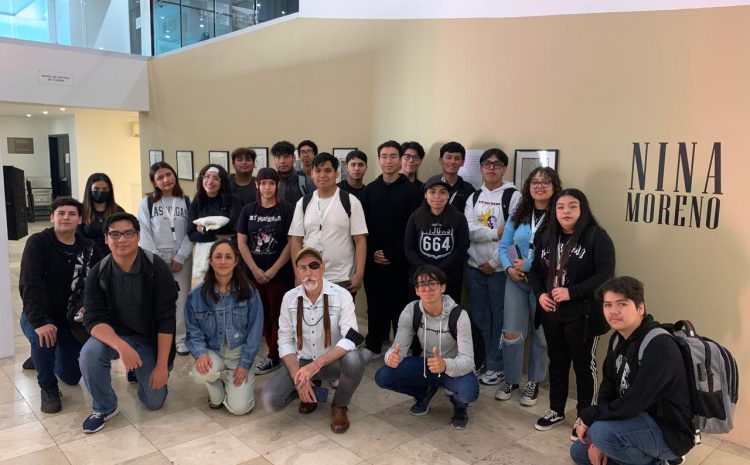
(394, 358)
(436, 363)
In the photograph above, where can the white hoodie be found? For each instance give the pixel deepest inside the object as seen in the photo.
(485, 218)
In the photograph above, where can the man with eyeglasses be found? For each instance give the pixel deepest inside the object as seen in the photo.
(412, 159)
(307, 150)
(317, 341)
(389, 201)
(130, 313)
(486, 211)
(444, 330)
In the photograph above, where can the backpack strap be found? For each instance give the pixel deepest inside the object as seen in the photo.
(187, 202)
(416, 317)
(475, 197)
(507, 196)
(302, 180)
(300, 309)
(453, 321)
(658, 331)
(345, 202)
(150, 204)
(305, 202)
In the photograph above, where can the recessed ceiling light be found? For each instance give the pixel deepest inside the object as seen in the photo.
(63, 108)
(45, 112)
(28, 115)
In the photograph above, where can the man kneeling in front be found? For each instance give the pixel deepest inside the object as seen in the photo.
(317, 330)
(444, 330)
(643, 416)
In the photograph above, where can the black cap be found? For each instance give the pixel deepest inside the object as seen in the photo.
(435, 180)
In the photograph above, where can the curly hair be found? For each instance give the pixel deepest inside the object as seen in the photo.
(526, 204)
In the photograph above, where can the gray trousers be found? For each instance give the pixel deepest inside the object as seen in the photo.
(279, 391)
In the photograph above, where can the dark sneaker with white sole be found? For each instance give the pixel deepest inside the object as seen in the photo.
(266, 365)
(505, 392)
(422, 406)
(51, 400)
(96, 421)
(530, 394)
(549, 420)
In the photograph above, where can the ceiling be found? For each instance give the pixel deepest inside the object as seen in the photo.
(23, 109)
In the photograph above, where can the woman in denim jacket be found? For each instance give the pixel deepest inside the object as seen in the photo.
(224, 319)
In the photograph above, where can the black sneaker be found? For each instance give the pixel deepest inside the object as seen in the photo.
(266, 365)
(422, 406)
(51, 400)
(132, 378)
(505, 391)
(96, 421)
(460, 419)
(28, 364)
(549, 420)
(677, 461)
(530, 394)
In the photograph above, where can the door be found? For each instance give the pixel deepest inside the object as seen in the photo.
(59, 164)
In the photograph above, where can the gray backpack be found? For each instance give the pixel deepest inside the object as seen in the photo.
(713, 378)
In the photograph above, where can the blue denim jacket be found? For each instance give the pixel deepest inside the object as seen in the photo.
(210, 324)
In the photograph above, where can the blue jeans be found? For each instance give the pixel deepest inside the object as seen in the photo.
(60, 361)
(520, 308)
(96, 363)
(486, 298)
(407, 378)
(635, 441)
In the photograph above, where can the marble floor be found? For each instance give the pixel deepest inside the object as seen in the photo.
(186, 431)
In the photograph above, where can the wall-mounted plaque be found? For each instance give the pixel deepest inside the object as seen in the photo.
(23, 145)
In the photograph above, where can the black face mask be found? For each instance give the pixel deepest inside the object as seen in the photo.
(100, 196)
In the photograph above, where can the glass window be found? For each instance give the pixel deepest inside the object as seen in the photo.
(197, 25)
(167, 28)
(24, 19)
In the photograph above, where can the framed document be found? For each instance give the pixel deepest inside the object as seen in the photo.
(155, 156)
(527, 159)
(340, 153)
(185, 164)
(261, 160)
(219, 157)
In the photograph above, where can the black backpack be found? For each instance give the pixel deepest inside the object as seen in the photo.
(343, 195)
(476, 336)
(507, 196)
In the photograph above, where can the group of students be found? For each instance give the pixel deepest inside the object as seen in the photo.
(286, 262)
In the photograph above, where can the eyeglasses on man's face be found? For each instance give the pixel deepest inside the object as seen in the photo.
(129, 234)
(494, 165)
(424, 285)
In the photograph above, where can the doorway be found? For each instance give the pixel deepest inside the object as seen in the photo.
(59, 164)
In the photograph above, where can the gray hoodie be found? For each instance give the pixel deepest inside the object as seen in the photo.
(434, 332)
(156, 229)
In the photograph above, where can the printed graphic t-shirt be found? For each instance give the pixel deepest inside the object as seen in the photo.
(266, 230)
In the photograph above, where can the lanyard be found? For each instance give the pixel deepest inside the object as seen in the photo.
(322, 215)
(171, 217)
(535, 225)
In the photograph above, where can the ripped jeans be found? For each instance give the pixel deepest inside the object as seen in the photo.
(518, 318)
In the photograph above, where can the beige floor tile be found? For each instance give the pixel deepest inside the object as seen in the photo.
(175, 428)
(23, 439)
(504, 419)
(372, 399)
(699, 453)
(156, 458)
(399, 417)
(520, 455)
(470, 445)
(416, 452)
(108, 447)
(8, 392)
(216, 449)
(49, 456)
(15, 413)
(256, 461)
(555, 442)
(368, 436)
(272, 432)
(314, 450)
(720, 457)
(730, 447)
(74, 398)
(67, 426)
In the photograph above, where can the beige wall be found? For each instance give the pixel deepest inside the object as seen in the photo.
(589, 85)
(105, 144)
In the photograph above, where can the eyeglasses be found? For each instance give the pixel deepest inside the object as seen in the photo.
(545, 183)
(492, 164)
(115, 235)
(424, 285)
(306, 152)
(311, 266)
(412, 157)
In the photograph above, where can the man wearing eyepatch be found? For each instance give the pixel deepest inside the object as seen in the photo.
(317, 341)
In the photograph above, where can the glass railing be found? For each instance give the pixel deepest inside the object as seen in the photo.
(121, 25)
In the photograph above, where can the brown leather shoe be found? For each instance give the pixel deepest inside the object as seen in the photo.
(306, 408)
(339, 419)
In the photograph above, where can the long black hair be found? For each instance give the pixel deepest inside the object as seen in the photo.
(156, 194)
(241, 285)
(585, 221)
(225, 192)
(525, 206)
(88, 202)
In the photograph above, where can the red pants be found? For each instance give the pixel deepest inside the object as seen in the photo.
(271, 295)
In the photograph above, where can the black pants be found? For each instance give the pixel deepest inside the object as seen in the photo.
(566, 343)
(387, 289)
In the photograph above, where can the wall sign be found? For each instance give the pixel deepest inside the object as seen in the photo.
(693, 201)
(55, 77)
(23, 145)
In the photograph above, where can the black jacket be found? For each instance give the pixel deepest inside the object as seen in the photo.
(459, 193)
(159, 298)
(387, 210)
(591, 263)
(229, 206)
(46, 276)
(656, 385)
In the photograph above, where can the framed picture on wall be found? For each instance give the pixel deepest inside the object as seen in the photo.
(340, 153)
(185, 164)
(155, 156)
(261, 160)
(527, 159)
(219, 157)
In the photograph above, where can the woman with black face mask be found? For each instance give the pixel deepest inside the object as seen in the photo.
(98, 204)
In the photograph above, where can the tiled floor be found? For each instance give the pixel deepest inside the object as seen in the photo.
(186, 431)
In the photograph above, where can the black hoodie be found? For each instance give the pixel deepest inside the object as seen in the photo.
(657, 385)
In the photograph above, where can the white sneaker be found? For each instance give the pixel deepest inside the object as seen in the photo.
(368, 355)
(492, 377)
(182, 349)
(334, 383)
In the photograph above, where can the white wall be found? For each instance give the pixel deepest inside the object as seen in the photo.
(38, 128)
(99, 79)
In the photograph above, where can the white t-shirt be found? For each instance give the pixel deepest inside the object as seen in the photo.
(326, 226)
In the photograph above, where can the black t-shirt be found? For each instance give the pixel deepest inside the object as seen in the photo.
(267, 232)
(358, 193)
(247, 194)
